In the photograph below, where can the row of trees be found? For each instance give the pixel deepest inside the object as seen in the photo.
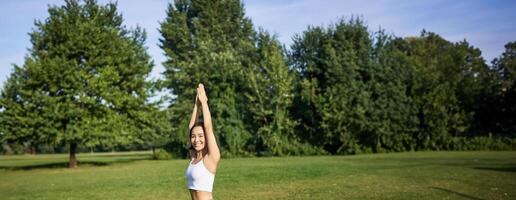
(340, 89)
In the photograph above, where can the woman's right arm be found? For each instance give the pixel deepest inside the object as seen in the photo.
(193, 119)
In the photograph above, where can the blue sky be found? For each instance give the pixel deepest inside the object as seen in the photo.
(486, 24)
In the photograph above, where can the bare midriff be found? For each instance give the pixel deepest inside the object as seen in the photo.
(200, 195)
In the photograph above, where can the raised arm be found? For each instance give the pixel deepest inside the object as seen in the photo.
(213, 148)
(193, 119)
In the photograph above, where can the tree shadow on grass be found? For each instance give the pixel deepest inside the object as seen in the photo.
(64, 164)
(481, 164)
(500, 169)
(456, 193)
(116, 155)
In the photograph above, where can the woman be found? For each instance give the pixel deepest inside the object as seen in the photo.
(204, 152)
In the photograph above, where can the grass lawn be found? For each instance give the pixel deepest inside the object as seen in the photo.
(412, 175)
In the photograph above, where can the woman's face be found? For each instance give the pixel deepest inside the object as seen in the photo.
(197, 138)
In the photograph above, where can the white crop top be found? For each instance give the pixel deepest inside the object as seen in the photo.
(199, 178)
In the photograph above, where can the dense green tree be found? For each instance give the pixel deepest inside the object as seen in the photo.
(332, 65)
(445, 85)
(152, 127)
(83, 82)
(391, 120)
(270, 93)
(210, 42)
(504, 68)
(353, 93)
(22, 121)
(474, 88)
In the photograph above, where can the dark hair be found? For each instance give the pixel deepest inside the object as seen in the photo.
(199, 123)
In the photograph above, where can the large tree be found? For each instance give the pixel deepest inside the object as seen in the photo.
(391, 120)
(446, 81)
(504, 68)
(270, 92)
(332, 98)
(83, 81)
(352, 92)
(210, 42)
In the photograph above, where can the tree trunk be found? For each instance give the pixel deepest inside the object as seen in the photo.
(30, 149)
(73, 160)
(153, 152)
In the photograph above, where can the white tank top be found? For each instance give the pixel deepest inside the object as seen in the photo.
(199, 178)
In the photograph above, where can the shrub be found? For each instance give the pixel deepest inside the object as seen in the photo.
(162, 154)
(482, 143)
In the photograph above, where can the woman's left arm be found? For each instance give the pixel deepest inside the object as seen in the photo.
(213, 148)
(193, 118)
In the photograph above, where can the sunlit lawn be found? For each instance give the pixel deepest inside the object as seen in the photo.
(419, 175)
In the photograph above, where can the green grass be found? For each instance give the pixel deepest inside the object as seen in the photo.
(419, 175)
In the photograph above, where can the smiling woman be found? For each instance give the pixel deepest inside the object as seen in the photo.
(204, 151)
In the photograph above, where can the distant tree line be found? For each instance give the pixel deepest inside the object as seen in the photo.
(340, 89)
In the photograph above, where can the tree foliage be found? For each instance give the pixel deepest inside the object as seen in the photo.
(339, 89)
(83, 82)
(271, 91)
(212, 43)
(504, 81)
